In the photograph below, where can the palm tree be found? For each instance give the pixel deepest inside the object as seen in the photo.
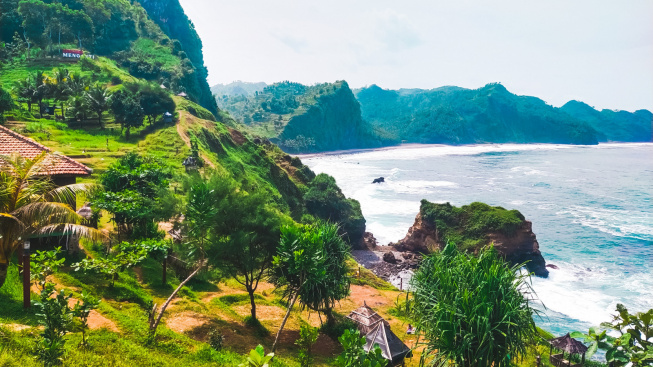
(30, 204)
(78, 108)
(77, 84)
(60, 90)
(97, 99)
(42, 89)
(26, 91)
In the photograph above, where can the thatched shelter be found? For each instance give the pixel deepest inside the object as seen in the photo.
(366, 319)
(392, 348)
(568, 345)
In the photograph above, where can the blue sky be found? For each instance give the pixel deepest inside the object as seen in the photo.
(600, 52)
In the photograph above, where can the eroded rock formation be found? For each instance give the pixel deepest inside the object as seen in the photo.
(520, 247)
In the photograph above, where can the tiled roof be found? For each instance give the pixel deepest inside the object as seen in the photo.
(53, 165)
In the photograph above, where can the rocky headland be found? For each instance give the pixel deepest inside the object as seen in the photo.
(472, 227)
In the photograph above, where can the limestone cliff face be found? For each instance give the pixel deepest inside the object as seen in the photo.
(518, 248)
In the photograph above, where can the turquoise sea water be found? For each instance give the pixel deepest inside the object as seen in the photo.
(591, 208)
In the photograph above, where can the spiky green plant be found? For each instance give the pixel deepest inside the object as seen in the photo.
(472, 310)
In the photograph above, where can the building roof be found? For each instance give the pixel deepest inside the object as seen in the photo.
(392, 347)
(568, 344)
(365, 318)
(53, 165)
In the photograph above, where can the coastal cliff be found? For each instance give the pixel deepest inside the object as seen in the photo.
(473, 226)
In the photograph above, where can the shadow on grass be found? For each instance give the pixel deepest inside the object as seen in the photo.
(11, 300)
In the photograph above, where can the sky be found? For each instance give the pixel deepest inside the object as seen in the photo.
(596, 51)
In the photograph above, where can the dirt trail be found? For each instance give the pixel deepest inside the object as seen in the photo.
(184, 136)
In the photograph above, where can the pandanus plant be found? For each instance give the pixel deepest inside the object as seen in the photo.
(32, 205)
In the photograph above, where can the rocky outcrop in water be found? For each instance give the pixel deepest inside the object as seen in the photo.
(517, 247)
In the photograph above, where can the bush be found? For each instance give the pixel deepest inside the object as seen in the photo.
(335, 331)
(472, 310)
(215, 339)
(325, 200)
(115, 80)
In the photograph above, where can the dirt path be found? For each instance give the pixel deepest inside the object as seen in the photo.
(184, 136)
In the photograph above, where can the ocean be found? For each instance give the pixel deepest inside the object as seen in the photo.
(591, 208)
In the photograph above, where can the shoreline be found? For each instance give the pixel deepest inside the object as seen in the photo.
(407, 146)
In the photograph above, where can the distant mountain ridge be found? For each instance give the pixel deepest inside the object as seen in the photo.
(445, 115)
(491, 114)
(238, 88)
(614, 125)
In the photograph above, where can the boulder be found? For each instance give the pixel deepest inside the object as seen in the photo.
(389, 257)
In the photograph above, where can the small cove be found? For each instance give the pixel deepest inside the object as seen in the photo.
(591, 208)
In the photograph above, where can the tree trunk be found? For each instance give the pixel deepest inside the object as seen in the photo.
(3, 273)
(331, 320)
(127, 133)
(99, 119)
(283, 323)
(29, 106)
(155, 323)
(251, 300)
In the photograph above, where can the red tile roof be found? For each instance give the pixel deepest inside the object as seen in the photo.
(53, 165)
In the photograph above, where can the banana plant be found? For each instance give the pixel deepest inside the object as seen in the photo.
(596, 338)
(257, 358)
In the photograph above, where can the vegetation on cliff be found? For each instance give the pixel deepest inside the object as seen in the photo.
(468, 226)
(453, 115)
(303, 118)
(613, 125)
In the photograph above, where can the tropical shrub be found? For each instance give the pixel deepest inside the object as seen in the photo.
(354, 355)
(258, 358)
(471, 310)
(44, 264)
(82, 310)
(215, 339)
(56, 317)
(325, 200)
(635, 343)
(307, 337)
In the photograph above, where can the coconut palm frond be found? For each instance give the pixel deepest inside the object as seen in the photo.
(73, 230)
(69, 193)
(44, 213)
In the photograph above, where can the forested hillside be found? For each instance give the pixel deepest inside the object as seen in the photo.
(170, 16)
(614, 125)
(303, 118)
(453, 115)
(35, 31)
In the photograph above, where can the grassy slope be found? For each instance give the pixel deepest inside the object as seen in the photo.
(201, 305)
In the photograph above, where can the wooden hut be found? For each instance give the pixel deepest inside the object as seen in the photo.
(377, 332)
(569, 345)
(392, 348)
(366, 319)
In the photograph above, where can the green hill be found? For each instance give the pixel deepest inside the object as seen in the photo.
(612, 125)
(35, 31)
(303, 118)
(453, 115)
(136, 61)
